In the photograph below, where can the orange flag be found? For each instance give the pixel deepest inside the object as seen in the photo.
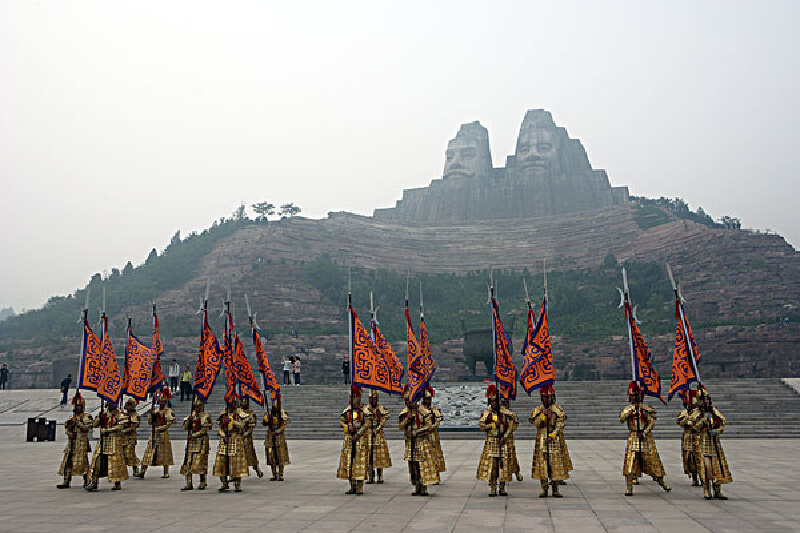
(109, 386)
(91, 359)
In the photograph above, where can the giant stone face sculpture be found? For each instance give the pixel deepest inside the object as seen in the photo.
(468, 155)
(538, 144)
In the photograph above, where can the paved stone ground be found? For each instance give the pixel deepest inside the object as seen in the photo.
(763, 496)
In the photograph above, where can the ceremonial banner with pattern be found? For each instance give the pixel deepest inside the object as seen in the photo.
(209, 361)
(139, 361)
(157, 348)
(427, 366)
(267, 375)
(396, 370)
(537, 354)
(685, 355)
(109, 386)
(227, 354)
(416, 378)
(371, 369)
(248, 386)
(645, 372)
(91, 359)
(505, 373)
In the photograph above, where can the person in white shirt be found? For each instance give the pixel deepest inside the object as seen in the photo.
(173, 373)
(287, 370)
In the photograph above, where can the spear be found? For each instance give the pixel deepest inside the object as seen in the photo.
(637, 412)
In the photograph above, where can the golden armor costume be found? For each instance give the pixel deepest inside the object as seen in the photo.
(231, 460)
(550, 458)
(76, 453)
(495, 464)
(416, 422)
(251, 422)
(195, 460)
(378, 457)
(130, 423)
(159, 447)
(108, 460)
(354, 421)
(564, 448)
(709, 424)
(512, 445)
(433, 435)
(641, 454)
(689, 456)
(277, 451)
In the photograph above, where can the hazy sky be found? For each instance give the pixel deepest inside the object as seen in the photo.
(121, 122)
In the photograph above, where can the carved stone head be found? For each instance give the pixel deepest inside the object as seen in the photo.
(468, 155)
(538, 144)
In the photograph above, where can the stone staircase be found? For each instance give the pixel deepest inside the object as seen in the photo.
(754, 408)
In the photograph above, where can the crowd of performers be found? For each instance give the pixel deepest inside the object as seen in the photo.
(365, 452)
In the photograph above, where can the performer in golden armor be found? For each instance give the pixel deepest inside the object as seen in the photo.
(436, 420)
(159, 447)
(378, 457)
(416, 422)
(550, 464)
(709, 423)
(250, 425)
(108, 460)
(130, 423)
(277, 451)
(512, 445)
(496, 463)
(76, 453)
(354, 421)
(690, 458)
(231, 460)
(641, 455)
(195, 460)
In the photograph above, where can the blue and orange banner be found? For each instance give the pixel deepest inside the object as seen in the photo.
(267, 375)
(644, 371)
(248, 386)
(396, 371)
(537, 353)
(109, 384)
(91, 359)
(427, 366)
(505, 373)
(685, 356)
(371, 368)
(209, 361)
(227, 355)
(157, 348)
(416, 378)
(139, 361)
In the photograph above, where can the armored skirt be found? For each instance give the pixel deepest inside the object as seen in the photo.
(493, 450)
(550, 460)
(276, 449)
(76, 452)
(158, 451)
(232, 454)
(108, 460)
(353, 459)
(379, 454)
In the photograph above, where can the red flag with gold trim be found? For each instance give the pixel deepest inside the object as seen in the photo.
(685, 355)
(537, 354)
(505, 372)
(646, 374)
(109, 386)
(139, 361)
(209, 361)
(248, 386)
(91, 359)
(267, 375)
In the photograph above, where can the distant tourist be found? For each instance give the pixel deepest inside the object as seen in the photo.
(186, 383)
(287, 370)
(296, 369)
(346, 369)
(4, 376)
(65, 383)
(173, 372)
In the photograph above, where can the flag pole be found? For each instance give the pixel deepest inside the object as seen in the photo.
(627, 304)
(83, 320)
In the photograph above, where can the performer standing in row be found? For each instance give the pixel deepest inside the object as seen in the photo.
(108, 460)
(378, 457)
(159, 447)
(76, 453)
(709, 423)
(130, 423)
(195, 460)
(277, 451)
(436, 420)
(512, 445)
(689, 456)
(550, 465)
(354, 421)
(249, 416)
(231, 460)
(641, 455)
(416, 422)
(495, 462)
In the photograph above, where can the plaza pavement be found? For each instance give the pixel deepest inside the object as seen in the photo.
(763, 497)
